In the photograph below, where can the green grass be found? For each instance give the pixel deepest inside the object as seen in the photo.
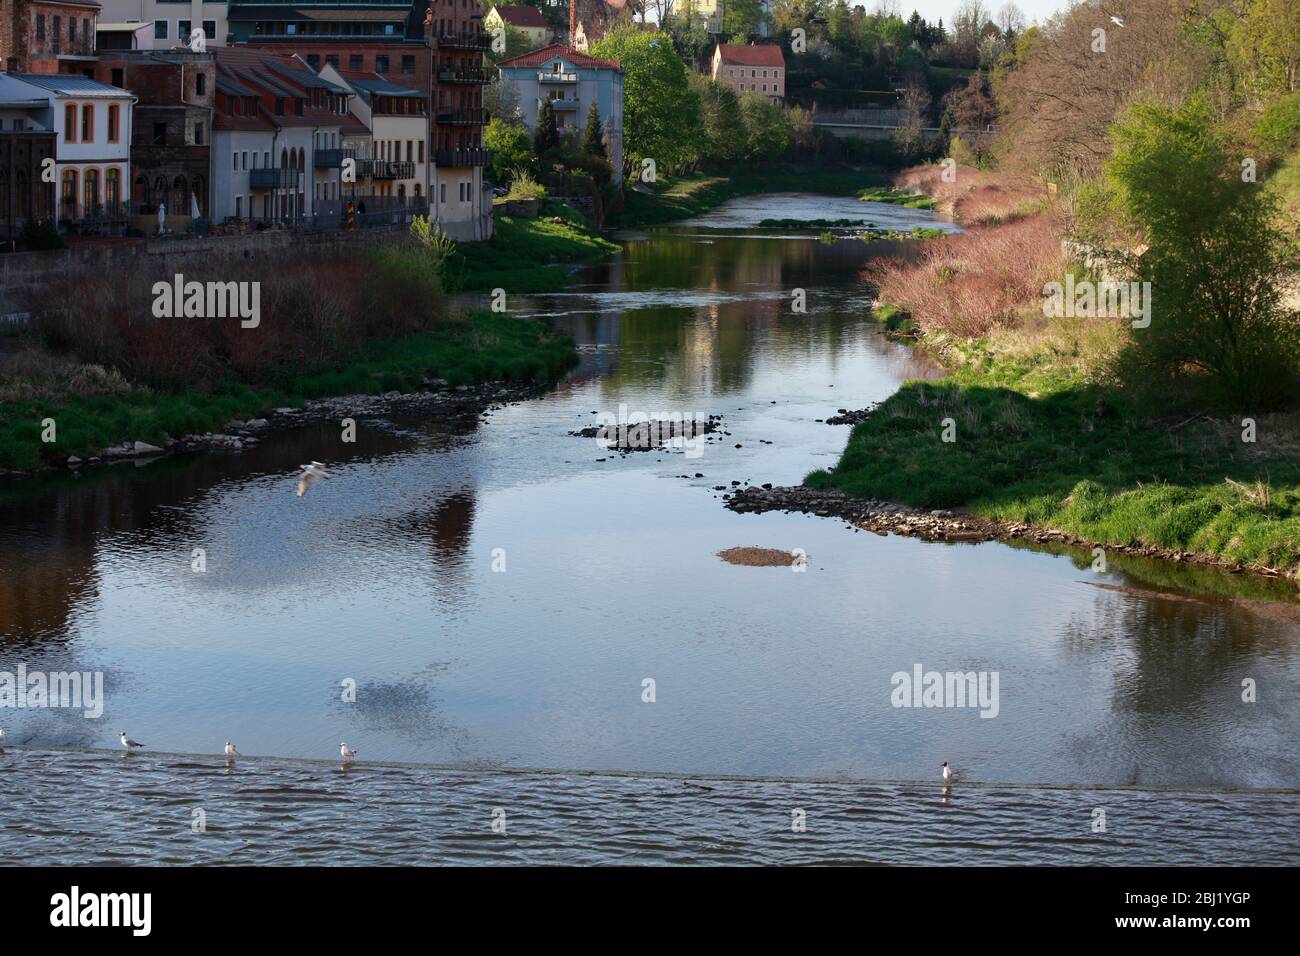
(479, 348)
(1033, 445)
(886, 194)
(680, 197)
(528, 255)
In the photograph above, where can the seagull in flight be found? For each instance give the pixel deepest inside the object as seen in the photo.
(128, 743)
(310, 473)
(344, 752)
(231, 751)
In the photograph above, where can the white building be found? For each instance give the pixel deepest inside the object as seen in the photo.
(92, 126)
(173, 22)
(395, 161)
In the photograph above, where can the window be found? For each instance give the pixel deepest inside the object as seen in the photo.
(410, 150)
(72, 30)
(332, 60)
(209, 29)
(313, 60)
(160, 29)
(243, 158)
(68, 202)
(40, 27)
(381, 63)
(239, 207)
(198, 134)
(119, 77)
(183, 30)
(90, 191)
(87, 123)
(159, 134)
(70, 123)
(200, 84)
(56, 37)
(356, 61)
(114, 112)
(408, 63)
(421, 159)
(235, 160)
(279, 106)
(113, 187)
(442, 192)
(266, 159)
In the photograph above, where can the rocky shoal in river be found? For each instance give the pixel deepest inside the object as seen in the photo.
(436, 398)
(890, 517)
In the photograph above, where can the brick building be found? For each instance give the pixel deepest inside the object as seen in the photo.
(171, 130)
(25, 144)
(43, 36)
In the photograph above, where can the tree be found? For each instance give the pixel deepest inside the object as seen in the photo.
(1216, 257)
(914, 102)
(767, 132)
(722, 131)
(1010, 20)
(510, 148)
(593, 137)
(547, 136)
(1266, 41)
(661, 112)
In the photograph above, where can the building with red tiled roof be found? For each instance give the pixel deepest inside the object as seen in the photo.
(571, 81)
(277, 146)
(527, 20)
(751, 68)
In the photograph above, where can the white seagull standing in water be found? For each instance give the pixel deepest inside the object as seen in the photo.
(948, 775)
(344, 752)
(128, 743)
(231, 751)
(310, 472)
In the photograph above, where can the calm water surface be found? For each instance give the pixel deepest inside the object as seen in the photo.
(385, 576)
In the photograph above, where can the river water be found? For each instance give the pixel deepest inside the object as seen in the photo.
(502, 593)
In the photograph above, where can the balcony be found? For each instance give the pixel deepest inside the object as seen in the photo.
(467, 75)
(463, 118)
(473, 156)
(465, 41)
(327, 158)
(384, 169)
(560, 104)
(557, 77)
(266, 178)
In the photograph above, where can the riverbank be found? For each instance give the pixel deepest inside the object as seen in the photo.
(1029, 435)
(680, 197)
(528, 255)
(99, 416)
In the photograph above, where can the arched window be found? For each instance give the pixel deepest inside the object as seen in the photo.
(401, 190)
(90, 192)
(180, 204)
(417, 190)
(141, 194)
(68, 195)
(113, 189)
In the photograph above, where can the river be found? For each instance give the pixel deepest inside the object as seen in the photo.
(505, 596)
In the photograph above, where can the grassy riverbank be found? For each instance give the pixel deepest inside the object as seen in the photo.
(680, 197)
(1038, 430)
(93, 409)
(528, 255)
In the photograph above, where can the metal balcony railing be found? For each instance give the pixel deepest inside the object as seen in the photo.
(268, 178)
(470, 156)
(327, 158)
(385, 169)
(465, 75)
(463, 118)
(465, 41)
(557, 77)
(559, 104)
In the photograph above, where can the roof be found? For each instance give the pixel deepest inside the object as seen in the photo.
(374, 84)
(70, 84)
(522, 16)
(120, 27)
(576, 57)
(249, 71)
(739, 54)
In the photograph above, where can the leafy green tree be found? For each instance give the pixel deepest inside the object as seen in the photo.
(510, 148)
(1216, 256)
(547, 136)
(661, 112)
(722, 129)
(593, 137)
(767, 132)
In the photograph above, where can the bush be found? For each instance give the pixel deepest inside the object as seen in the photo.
(524, 186)
(40, 235)
(1217, 260)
